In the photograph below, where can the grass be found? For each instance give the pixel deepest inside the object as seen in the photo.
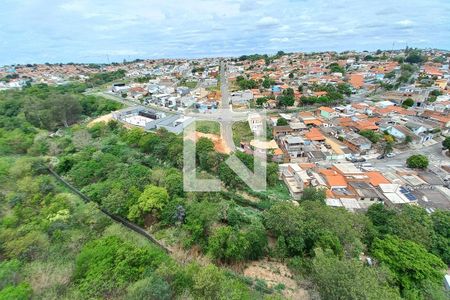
(279, 192)
(208, 127)
(213, 88)
(190, 84)
(242, 132)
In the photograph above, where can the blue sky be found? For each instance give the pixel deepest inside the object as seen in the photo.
(37, 31)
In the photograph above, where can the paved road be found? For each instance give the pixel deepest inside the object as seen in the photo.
(434, 154)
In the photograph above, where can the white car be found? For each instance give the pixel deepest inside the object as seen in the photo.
(390, 154)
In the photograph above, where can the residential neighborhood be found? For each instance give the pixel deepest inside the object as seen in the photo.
(238, 149)
(337, 121)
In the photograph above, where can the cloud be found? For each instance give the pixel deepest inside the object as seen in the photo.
(405, 23)
(280, 40)
(268, 22)
(84, 30)
(327, 29)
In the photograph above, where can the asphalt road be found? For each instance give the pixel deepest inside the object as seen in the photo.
(434, 154)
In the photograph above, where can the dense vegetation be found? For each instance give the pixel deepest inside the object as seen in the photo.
(54, 246)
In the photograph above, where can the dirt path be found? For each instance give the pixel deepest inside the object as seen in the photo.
(104, 118)
(274, 273)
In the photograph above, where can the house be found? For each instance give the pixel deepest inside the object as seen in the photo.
(420, 130)
(183, 90)
(375, 178)
(327, 112)
(278, 155)
(293, 145)
(357, 143)
(396, 195)
(241, 98)
(356, 80)
(366, 193)
(314, 134)
(119, 88)
(175, 123)
(361, 125)
(334, 179)
(295, 178)
(279, 131)
(297, 126)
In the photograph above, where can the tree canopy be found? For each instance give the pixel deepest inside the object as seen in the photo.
(417, 161)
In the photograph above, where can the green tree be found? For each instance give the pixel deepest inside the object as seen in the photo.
(349, 279)
(286, 98)
(408, 103)
(199, 218)
(174, 183)
(381, 217)
(441, 237)
(282, 122)
(152, 200)
(388, 147)
(151, 288)
(267, 82)
(286, 220)
(336, 68)
(211, 283)
(408, 139)
(256, 236)
(55, 111)
(9, 272)
(110, 263)
(446, 143)
(412, 266)
(415, 57)
(371, 135)
(417, 161)
(314, 194)
(227, 244)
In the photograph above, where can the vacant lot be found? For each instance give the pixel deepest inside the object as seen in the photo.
(242, 132)
(211, 127)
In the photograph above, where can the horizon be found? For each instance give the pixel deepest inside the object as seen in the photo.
(101, 31)
(218, 57)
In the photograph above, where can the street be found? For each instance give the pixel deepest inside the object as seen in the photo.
(434, 154)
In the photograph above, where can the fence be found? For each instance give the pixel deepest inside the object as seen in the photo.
(116, 218)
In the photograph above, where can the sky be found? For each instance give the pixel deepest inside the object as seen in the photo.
(39, 31)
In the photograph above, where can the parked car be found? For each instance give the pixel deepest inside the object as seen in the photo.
(381, 156)
(390, 154)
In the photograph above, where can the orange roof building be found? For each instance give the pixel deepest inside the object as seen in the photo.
(376, 178)
(356, 80)
(314, 134)
(333, 178)
(365, 125)
(314, 122)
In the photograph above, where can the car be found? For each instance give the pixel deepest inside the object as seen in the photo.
(381, 156)
(361, 159)
(390, 154)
